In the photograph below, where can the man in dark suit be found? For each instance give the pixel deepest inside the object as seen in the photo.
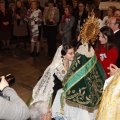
(114, 23)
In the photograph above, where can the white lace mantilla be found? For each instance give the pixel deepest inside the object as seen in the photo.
(44, 88)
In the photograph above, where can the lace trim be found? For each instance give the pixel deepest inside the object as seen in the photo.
(83, 49)
(44, 88)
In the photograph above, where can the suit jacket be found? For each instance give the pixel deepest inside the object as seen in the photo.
(66, 27)
(117, 43)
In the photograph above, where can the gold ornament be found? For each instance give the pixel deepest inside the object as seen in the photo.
(90, 30)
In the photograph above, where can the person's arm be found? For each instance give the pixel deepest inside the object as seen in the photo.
(14, 108)
(40, 17)
(56, 16)
(27, 16)
(23, 13)
(45, 15)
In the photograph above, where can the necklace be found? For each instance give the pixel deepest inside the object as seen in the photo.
(66, 63)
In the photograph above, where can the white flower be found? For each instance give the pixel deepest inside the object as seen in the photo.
(67, 19)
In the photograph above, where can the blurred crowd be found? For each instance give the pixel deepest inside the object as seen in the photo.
(63, 18)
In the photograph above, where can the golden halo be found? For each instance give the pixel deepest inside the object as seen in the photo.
(90, 30)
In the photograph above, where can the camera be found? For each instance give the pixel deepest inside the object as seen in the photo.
(10, 79)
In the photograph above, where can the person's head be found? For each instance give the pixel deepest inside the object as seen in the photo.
(117, 13)
(92, 13)
(68, 10)
(81, 6)
(33, 5)
(95, 12)
(2, 6)
(111, 10)
(114, 23)
(64, 2)
(51, 4)
(38, 2)
(19, 4)
(90, 6)
(30, 1)
(75, 3)
(12, 6)
(68, 52)
(38, 110)
(106, 37)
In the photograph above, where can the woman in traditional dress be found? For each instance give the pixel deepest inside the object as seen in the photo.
(44, 89)
(34, 18)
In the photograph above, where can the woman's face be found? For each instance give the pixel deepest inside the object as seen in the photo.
(66, 11)
(103, 39)
(2, 6)
(70, 54)
(81, 7)
(92, 13)
(50, 5)
(75, 3)
(64, 2)
(19, 4)
(33, 5)
(109, 12)
(87, 8)
(13, 7)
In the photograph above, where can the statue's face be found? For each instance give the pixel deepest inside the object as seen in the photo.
(70, 54)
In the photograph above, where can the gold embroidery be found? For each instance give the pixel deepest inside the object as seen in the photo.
(109, 108)
(81, 97)
(63, 71)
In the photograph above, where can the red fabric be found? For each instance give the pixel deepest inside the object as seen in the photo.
(64, 17)
(111, 55)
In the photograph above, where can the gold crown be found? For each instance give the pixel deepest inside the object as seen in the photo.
(90, 30)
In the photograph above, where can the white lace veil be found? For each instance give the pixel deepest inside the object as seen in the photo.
(44, 88)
